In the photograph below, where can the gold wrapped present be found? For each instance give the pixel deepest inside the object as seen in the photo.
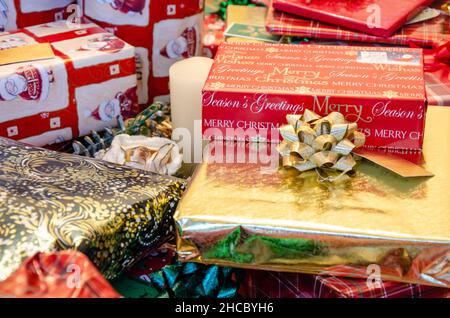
(51, 201)
(376, 224)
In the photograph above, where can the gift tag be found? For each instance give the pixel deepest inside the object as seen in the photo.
(426, 14)
(400, 166)
(33, 52)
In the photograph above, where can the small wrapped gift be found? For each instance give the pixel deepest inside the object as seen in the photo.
(60, 80)
(426, 33)
(51, 201)
(376, 17)
(253, 86)
(250, 213)
(268, 284)
(16, 14)
(65, 274)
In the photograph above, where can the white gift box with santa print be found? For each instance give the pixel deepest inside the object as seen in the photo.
(22, 13)
(86, 86)
(132, 12)
(174, 40)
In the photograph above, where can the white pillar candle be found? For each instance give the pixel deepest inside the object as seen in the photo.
(187, 78)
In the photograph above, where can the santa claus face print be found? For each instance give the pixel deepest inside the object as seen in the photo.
(99, 105)
(13, 86)
(175, 39)
(10, 41)
(28, 89)
(8, 15)
(119, 12)
(28, 6)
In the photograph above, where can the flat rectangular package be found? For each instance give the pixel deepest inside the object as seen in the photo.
(429, 33)
(86, 84)
(163, 33)
(253, 86)
(248, 214)
(51, 201)
(17, 14)
(375, 17)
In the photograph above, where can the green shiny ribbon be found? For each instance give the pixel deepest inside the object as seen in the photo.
(183, 280)
(239, 247)
(193, 280)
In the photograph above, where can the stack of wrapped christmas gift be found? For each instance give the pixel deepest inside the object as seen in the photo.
(356, 187)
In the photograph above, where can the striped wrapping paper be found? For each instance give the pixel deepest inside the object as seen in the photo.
(265, 284)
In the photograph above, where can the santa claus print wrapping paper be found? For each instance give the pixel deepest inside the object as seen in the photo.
(86, 86)
(162, 31)
(23, 13)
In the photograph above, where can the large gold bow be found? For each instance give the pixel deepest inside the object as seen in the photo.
(314, 142)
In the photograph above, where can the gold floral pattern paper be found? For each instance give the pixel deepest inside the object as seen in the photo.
(53, 201)
(284, 220)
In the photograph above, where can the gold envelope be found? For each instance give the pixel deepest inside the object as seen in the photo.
(242, 215)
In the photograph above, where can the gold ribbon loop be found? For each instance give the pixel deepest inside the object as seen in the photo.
(309, 116)
(344, 147)
(345, 163)
(306, 135)
(294, 120)
(324, 159)
(325, 143)
(288, 133)
(358, 138)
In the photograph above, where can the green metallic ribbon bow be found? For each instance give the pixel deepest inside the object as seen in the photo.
(322, 143)
(192, 280)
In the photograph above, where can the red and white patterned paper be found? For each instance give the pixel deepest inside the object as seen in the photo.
(163, 33)
(89, 83)
(16, 14)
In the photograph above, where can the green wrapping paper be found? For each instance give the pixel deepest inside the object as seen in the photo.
(51, 201)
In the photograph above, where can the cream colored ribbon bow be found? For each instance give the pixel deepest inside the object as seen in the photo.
(322, 143)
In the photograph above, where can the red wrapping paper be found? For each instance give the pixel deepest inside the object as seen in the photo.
(252, 87)
(428, 33)
(162, 32)
(213, 34)
(66, 274)
(437, 75)
(376, 17)
(16, 14)
(265, 284)
(86, 86)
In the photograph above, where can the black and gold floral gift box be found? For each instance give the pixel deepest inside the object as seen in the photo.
(53, 201)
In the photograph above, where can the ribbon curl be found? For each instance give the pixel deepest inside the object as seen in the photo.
(322, 143)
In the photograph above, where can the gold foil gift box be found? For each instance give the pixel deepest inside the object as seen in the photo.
(51, 201)
(251, 213)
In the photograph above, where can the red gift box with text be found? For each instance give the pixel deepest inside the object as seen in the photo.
(375, 17)
(253, 86)
(16, 14)
(163, 33)
(89, 83)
